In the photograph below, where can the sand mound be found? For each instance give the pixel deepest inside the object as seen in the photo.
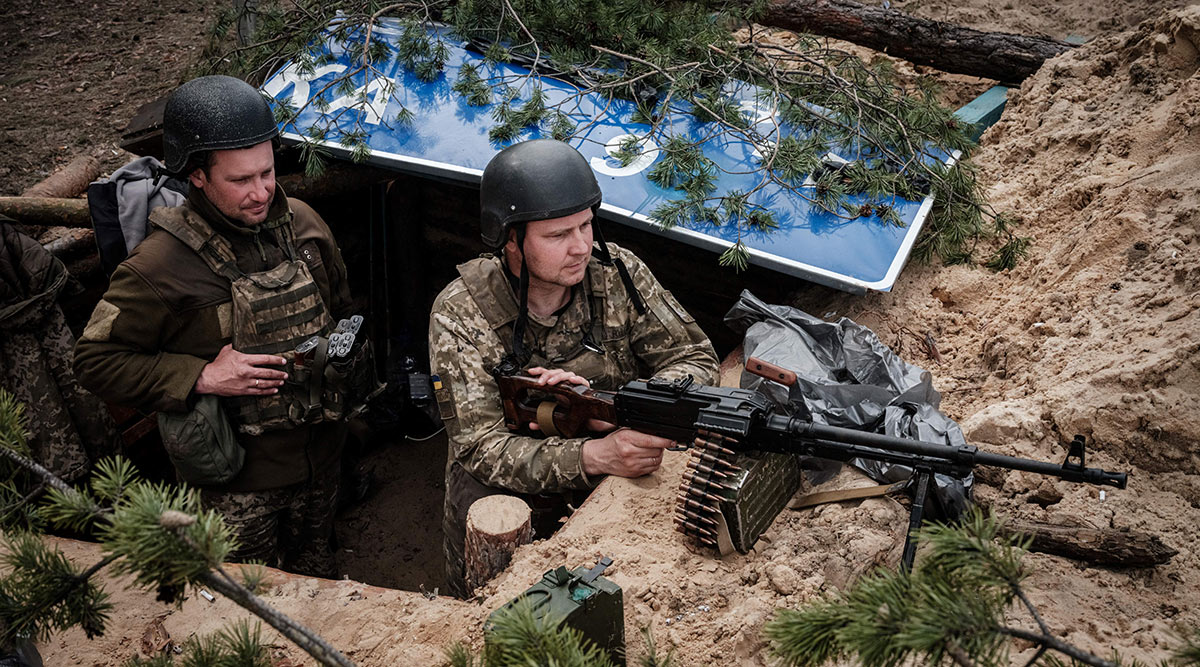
(1097, 332)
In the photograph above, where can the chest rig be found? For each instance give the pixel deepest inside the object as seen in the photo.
(274, 311)
(594, 351)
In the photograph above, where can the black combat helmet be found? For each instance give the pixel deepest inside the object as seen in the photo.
(533, 180)
(213, 113)
(540, 179)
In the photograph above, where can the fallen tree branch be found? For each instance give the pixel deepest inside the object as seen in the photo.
(1098, 546)
(951, 48)
(50, 211)
(69, 181)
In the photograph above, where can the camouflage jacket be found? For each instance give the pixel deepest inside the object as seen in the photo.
(69, 428)
(166, 314)
(471, 325)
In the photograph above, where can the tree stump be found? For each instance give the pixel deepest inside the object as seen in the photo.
(496, 526)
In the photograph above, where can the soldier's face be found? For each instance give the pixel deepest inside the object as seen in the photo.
(557, 250)
(240, 182)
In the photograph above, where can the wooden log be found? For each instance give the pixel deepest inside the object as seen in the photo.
(496, 526)
(72, 243)
(1005, 57)
(1097, 546)
(49, 211)
(69, 181)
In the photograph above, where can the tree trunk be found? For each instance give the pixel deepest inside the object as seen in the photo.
(48, 211)
(496, 526)
(951, 48)
(1097, 546)
(70, 181)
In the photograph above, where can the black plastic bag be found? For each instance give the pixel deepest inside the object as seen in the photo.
(847, 377)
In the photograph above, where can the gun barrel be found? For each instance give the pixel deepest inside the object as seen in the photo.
(1068, 472)
(944, 458)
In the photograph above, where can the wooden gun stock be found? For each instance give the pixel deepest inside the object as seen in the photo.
(560, 409)
(770, 371)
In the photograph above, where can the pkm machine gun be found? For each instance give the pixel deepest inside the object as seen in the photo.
(719, 424)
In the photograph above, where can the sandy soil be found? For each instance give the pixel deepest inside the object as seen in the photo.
(1096, 333)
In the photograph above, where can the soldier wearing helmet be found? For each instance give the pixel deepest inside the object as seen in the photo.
(201, 323)
(557, 302)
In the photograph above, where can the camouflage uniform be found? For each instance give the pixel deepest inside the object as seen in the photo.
(69, 428)
(166, 315)
(470, 327)
(279, 525)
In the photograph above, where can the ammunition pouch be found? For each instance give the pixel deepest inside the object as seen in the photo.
(355, 378)
(320, 387)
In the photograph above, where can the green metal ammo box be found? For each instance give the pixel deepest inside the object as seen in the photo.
(584, 601)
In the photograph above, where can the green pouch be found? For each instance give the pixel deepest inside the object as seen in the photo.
(201, 443)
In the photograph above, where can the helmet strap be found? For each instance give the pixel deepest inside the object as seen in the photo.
(518, 344)
(606, 259)
(517, 356)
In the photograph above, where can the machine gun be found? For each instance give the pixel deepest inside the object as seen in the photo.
(723, 425)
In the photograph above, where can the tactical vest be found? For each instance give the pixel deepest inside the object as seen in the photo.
(274, 311)
(602, 352)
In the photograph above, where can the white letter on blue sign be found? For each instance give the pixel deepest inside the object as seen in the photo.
(290, 76)
(375, 109)
(647, 157)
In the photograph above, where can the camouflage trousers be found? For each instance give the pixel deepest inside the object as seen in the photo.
(290, 528)
(462, 490)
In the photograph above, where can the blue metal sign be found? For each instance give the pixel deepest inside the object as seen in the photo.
(447, 137)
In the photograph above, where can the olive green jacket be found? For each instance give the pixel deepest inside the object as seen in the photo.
(166, 315)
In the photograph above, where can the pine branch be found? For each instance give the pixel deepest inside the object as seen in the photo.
(960, 656)
(24, 502)
(42, 592)
(1032, 610)
(668, 59)
(219, 580)
(29, 464)
(1057, 644)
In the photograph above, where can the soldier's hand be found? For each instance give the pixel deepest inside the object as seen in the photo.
(624, 453)
(235, 374)
(550, 376)
(556, 375)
